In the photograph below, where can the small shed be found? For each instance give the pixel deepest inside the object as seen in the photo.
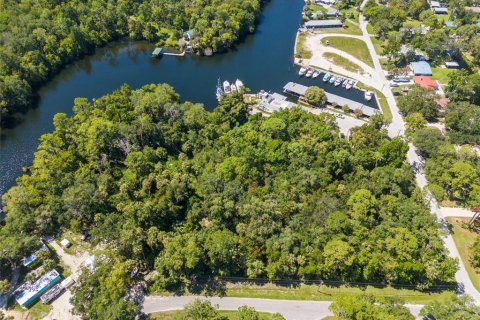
(425, 82)
(190, 34)
(421, 68)
(65, 243)
(323, 24)
(441, 10)
(434, 4)
(452, 64)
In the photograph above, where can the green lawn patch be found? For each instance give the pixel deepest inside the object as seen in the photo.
(370, 29)
(352, 46)
(35, 312)
(342, 62)
(442, 74)
(327, 293)
(348, 28)
(178, 315)
(464, 239)
(301, 51)
(316, 8)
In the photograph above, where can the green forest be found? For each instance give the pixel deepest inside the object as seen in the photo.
(38, 37)
(167, 186)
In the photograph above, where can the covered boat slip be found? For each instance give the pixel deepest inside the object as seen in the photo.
(299, 91)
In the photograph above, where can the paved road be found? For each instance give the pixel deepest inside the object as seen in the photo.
(290, 309)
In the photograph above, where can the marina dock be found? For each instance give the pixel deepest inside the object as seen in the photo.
(298, 90)
(157, 52)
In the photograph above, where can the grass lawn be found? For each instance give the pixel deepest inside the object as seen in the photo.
(381, 100)
(301, 51)
(355, 47)
(178, 315)
(442, 74)
(36, 312)
(464, 240)
(316, 8)
(342, 62)
(326, 293)
(348, 28)
(370, 29)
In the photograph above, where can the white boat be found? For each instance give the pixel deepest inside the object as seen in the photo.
(226, 87)
(302, 71)
(349, 85)
(338, 81)
(239, 84)
(309, 73)
(233, 88)
(332, 79)
(327, 76)
(368, 95)
(344, 83)
(315, 74)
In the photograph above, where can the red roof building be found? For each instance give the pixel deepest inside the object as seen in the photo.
(426, 82)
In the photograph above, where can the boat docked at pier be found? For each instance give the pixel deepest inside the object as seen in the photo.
(315, 74)
(226, 87)
(327, 77)
(302, 71)
(239, 84)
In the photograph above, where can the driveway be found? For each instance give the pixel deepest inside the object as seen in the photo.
(290, 309)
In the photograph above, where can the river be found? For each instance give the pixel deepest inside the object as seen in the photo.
(263, 60)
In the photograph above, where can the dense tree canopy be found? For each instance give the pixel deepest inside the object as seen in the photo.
(419, 100)
(462, 120)
(37, 37)
(367, 307)
(168, 186)
(454, 308)
(453, 174)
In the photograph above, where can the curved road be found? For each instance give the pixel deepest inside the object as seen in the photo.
(397, 128)
(290, 309)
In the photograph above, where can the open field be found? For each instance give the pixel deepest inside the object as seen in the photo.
(342, 62)
(178, 315)
(328, 293)
(355, 47)
(442, 74)
(301, 51)
(464, 240)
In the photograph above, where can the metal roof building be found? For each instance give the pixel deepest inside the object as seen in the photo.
(319, 24)
(299, 91)
(421, 68)
(440, 10)
(29, 292)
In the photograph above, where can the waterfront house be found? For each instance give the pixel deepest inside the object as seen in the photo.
(323, 24)
(28, 293)
(421, 68)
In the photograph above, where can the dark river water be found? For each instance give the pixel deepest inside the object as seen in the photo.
(263, 60)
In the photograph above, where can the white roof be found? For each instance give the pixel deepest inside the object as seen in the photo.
(28, 290)
(65, 243)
